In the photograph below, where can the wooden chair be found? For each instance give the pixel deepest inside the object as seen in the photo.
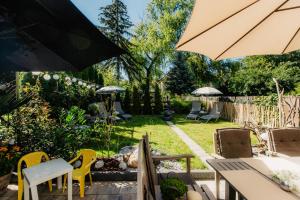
(231, 143)
(27, 161)
(148, 180)
(284, 142)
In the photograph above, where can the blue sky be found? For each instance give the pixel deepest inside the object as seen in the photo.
(90, 8)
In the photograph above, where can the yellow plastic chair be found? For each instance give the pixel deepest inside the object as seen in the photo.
(88, 157)
(30, 160)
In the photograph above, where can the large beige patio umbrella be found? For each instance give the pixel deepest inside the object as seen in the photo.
(223, 29)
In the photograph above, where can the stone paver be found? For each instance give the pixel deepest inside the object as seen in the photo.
(99, 191)
(195, 148)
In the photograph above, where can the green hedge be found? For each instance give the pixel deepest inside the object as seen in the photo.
(180, 106)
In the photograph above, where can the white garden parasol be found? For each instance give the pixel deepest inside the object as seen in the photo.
(236, 28)
(110, 90)
(207, 91)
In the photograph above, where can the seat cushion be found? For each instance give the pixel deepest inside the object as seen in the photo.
(126, 116)
(192, 116)
(234, 143)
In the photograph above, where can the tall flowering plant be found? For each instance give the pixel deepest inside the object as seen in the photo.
(9, 156)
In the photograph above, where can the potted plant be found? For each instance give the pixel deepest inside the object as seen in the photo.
(173, 189)
(9, 156)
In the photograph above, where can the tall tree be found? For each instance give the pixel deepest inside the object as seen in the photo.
(156, 37)
(136, 108)
(180, 80)
(116, 25)
(255, 77)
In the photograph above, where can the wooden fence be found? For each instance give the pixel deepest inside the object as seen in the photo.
(243, 109)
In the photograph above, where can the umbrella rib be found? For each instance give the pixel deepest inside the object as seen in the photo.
(264, 19)
(217, 24)
(291, 40)
(291, 8)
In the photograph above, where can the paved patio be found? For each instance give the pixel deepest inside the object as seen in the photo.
(99, 191)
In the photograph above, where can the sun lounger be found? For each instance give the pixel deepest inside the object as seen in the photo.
(214, 114)
(104, 114)
(120, 112)
(196, 109)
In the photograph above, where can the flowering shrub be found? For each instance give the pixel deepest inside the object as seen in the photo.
(9, 156)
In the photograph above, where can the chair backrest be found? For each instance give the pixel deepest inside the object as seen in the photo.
(30, 160)
(102, 109)
(118, 107)
(196, 106)
(144, 191)
(233, 143)
(216, 109)
(285, 140)
(88, 156)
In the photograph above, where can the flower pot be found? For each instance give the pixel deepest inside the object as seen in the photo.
(4, 181)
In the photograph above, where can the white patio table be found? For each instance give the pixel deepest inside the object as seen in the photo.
(46, 171)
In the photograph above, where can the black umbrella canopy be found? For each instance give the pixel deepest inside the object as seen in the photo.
(49, 35)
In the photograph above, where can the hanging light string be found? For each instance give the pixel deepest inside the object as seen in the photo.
(67, 79)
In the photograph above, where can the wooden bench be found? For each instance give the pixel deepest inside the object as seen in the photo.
(148, 180)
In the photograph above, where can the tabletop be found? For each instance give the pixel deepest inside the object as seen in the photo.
(252, 178)
(46, 171)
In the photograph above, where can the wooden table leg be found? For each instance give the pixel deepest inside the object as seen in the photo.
(59, 181)
(217, 181)
(34, 193)
(230, 193)
(26, 190)
(70, 186)
(240, 197)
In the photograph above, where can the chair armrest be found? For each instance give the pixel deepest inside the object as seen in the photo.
(216, 156)
(276, 154)
(173, 157)
(74, 159)
(89, 165)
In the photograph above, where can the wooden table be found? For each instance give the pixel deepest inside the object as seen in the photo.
(249, 177)
(46, 171)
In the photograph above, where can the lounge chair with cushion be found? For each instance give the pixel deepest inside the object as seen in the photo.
(120, 111)
(231, 143)
(284, 142)
(104, 114)
(148, 180)
(214, 114)
(196, 109)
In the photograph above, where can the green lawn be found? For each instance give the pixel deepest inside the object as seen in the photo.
(202, 133)
(161, 137)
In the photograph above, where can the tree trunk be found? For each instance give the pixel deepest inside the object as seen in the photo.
(147, 98)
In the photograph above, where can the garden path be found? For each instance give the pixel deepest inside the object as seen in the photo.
(195, 148)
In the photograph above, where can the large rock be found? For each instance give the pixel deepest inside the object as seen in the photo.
(127, 150)
(133, 159)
